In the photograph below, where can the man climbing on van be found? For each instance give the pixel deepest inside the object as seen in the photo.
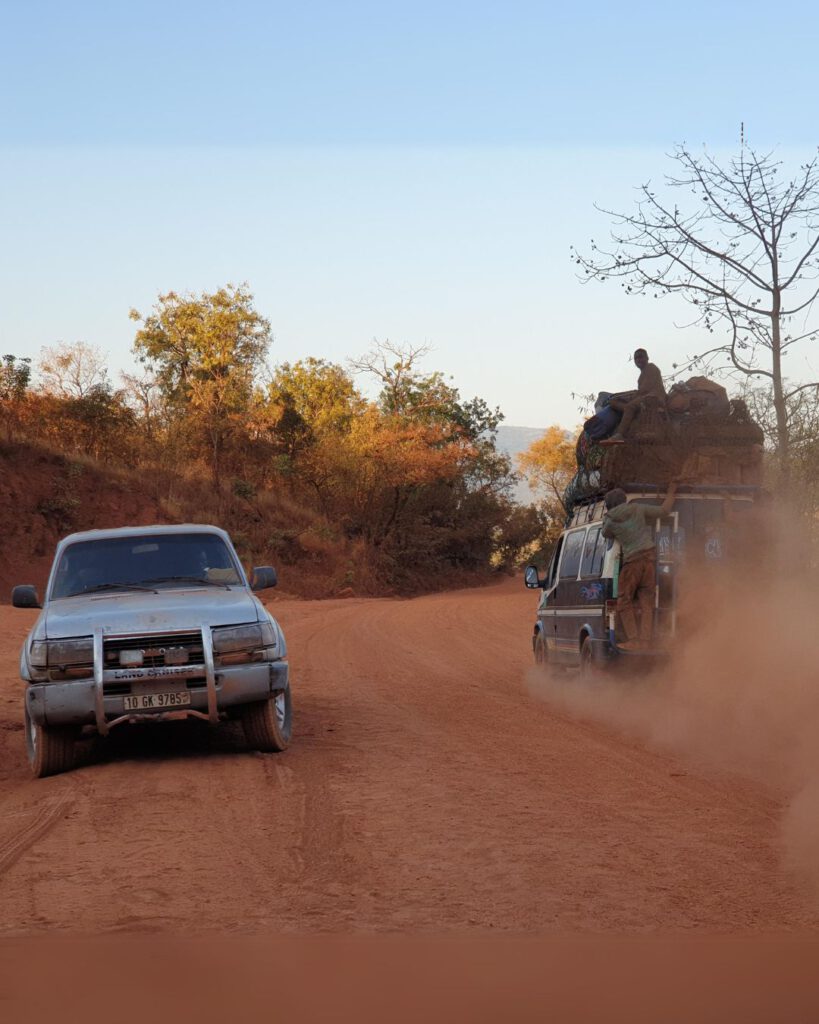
(631, 524)
(649, 387)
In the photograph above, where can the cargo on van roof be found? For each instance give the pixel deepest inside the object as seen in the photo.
(705, 442)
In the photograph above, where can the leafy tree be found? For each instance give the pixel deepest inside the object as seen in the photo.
(523, 528)
(102, 422)
(309, 399)
(442, 487)
(15, 375)
(426, 397)
(548, 464)
(205, 351)
(99, 424)
(415, 396)
(741, 245)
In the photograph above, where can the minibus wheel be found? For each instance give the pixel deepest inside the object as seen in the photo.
(590, 666)
(541, 653)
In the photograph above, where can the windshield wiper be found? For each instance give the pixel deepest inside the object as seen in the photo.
(112, 586)
(189, 579)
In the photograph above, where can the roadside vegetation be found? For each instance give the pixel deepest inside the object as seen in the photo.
(547, 465)
(399, 493)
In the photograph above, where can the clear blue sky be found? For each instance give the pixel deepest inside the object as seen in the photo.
(393, 170)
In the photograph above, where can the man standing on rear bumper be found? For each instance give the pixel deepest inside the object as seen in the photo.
(628, 523)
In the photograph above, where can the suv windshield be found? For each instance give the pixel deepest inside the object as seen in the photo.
(149, 562)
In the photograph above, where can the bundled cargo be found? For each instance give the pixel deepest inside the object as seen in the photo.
(697, 434)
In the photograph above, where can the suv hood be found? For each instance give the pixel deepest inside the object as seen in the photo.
(138, 612)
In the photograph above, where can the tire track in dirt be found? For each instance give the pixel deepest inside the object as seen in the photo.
(37, 822)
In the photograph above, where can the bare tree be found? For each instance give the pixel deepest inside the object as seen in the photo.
(142, 393)
(396, 368)
(73, 370)
(742, 247)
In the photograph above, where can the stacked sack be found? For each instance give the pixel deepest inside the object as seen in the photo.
(589, 456)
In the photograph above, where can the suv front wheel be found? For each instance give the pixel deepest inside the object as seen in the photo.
(268, 725)
(50, 749)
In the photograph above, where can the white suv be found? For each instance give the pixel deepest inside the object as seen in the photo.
(146, 624)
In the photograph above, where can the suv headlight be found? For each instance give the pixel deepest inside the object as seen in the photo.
(52, 653)
(59, 660)
(253, 638)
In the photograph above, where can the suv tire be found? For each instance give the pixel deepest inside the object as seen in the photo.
(50, 750)
(268, 725)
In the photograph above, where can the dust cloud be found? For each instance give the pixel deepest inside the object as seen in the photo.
(739, 695)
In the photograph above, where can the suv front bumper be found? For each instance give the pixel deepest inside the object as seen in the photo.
(84, 701)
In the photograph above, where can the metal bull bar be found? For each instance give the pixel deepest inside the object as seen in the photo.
(104, 725)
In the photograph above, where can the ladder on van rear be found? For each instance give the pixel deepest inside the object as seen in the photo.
(667, 538)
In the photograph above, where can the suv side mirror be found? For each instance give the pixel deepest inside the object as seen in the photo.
(262, 577)
(25, 596)
(532, 579)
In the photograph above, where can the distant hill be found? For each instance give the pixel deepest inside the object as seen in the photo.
(512, 440)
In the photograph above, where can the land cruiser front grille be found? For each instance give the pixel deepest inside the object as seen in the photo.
(153, 647)
(122, 688)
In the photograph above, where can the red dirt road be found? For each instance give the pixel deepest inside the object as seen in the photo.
(427, 790)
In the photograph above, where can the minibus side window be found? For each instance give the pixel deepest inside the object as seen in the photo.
(593, 553)
(552, 575)
(572, 552)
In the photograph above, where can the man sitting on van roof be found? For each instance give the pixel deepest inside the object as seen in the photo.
(649, 386)
(628, 523)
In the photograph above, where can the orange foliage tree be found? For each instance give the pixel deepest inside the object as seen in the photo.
(548, 464)
(205, 351)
